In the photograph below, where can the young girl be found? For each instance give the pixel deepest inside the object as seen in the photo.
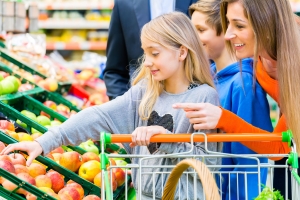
(237, 94)
(267, 31)
(175, 69)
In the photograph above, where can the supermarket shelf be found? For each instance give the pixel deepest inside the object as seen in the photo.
(76, 46)
(72, 24)
(75, 5)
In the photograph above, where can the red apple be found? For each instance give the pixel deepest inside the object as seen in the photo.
(17, 158)
(78, 188)
(43, 181)
(57, 180)
(50, 104)
(120, 176)
(21, 169)
(91, 197)
(58, 150)
(2, 146)
(7, 166)
(111, 177)
(36, 169)
(90, 156)
(71, 160)
(6, 125)
(70, 191)
(5, 157)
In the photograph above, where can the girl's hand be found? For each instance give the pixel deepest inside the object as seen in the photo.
(141, 135)
(32, 148)
(202, 115)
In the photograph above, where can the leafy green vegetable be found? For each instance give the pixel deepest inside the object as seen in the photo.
(268, 194)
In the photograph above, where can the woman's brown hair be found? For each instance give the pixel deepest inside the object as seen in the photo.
(276, 32)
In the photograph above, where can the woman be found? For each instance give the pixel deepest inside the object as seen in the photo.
(267, 31)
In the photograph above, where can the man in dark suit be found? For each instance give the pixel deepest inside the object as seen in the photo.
(124, 45)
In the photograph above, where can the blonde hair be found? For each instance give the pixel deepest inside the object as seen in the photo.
(276, 32)
(211, 8)
(172, 31)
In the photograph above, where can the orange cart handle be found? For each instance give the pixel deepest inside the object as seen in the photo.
(211, 137)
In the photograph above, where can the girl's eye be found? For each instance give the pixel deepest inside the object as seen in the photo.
(200, 30)
(154, 54)
(239, 26)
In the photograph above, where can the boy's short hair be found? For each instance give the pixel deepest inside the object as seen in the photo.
(211, 8)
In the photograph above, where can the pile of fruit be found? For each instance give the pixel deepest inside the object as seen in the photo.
(11, 84)
(60, 108)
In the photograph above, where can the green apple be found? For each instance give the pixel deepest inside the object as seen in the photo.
(29, 114)
(121, 162)
(7, 87)
(21, 123)
(89, 146)
(34, 131)
(1, 77)
(43, 120)
(55, 123)
(15, 81)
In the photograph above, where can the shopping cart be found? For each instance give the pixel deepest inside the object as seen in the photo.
(167, 188)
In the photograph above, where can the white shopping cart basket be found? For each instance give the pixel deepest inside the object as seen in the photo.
(205, 177)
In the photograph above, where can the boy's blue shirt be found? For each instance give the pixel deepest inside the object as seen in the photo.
(238, 95)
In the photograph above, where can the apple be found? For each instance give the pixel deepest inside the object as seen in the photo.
(29, 114)
(24, 176)
(2, 146)
(50, 156)
(24, 137)
(112, 179)
(15, 81)
(7, 166)
(78, 188)
(43, 181)
(58, 150)
(89, 170)
(120, 176)
(50, 104)
(36, 135)
(90, 156)
(56, 157)
(17, 158)
(64, 196)
(4, 74)
(91, 197)
(42, 113)
(1, 77)
(50, 85)
(71, 160)
(43, 120)
(57, 180)
(21, 123)
(7, 125)
(30, 196)
(36, 169)
(21, 169)
(46, 189)
(55, 123)
(25, 87)
(62, 108)
(5, 157)
(89, 146)
(12, 134)
(7, 87)
(70, 191)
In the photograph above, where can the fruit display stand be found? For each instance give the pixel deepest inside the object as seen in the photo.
(36, 88)
(12, 112)
(89, 188)
(63, 87)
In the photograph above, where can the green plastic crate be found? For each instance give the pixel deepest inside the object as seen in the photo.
(89, 188)
(55, 97)
(63, 87)
(37, 89)
(13, 107)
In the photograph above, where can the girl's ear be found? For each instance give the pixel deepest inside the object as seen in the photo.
(183, 51)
